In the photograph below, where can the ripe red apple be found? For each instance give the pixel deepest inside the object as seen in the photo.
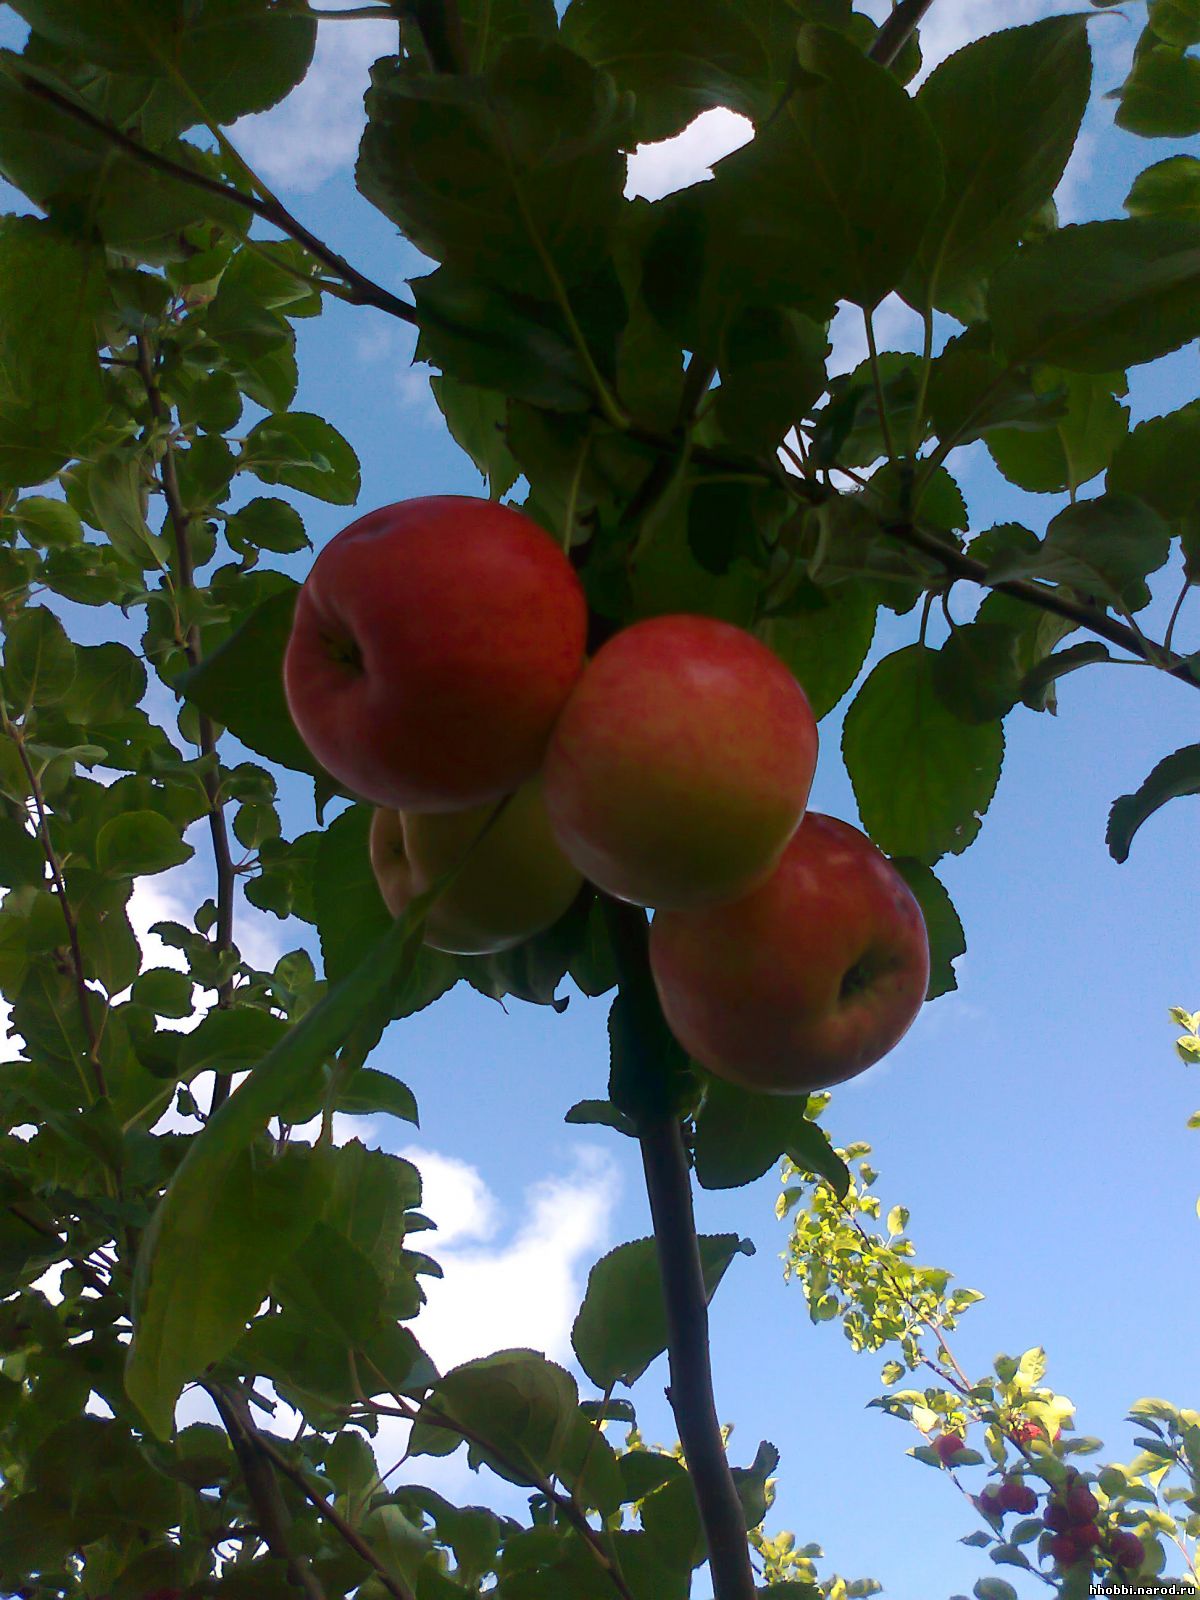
(681, 763)
(1127, 1550)
(433, 647)
(1056, 1517)
(1016, 1496)
(990, 1502)
(947, 1445)
(1081, 1503)
(807, 980)
(515, 881)
(1066, 1550)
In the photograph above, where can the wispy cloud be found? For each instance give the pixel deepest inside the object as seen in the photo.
(315, 132)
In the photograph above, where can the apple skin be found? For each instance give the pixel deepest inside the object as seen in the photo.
(515, 883)
(433, 646)
(754, 990)
(947, 1445)
(681, 764)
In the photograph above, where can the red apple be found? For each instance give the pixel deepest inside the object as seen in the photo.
(433, 647)
(1127, 1550)
(681, 764)
(805, 981)
(514, 882)
(1081, 1503)
(1016, 1496)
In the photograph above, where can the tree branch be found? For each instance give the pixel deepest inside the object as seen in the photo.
(179, 519)
(361, 289)
(83, 993)
(255, 1460)
(668, 1185)
(897, 31)
(958, 565)
(395, 1586)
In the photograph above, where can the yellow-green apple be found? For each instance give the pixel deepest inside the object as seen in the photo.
(514, 882)
(433, 646)
(681, 763)
(807, 980)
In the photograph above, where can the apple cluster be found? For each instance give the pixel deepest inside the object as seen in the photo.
(437, 668)
(1070, 1518)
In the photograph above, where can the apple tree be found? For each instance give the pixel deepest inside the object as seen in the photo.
(650, 380)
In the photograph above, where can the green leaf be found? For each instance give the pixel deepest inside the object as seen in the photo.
(509, 176)
(622, 1325)
(47, 523)
(1006, 109)
(946, 938)
(218, 59)
(508, 343)
(114, 490)
(303, 452)
(22, 860)
(679, 63)
(1170, 188)
(39, 660)
(164, 991)
(51, 398)
(740, 1135)
(233, 1040)
(476, 419)
(258, 1208)
(1106, 547)
(175, 1337)
(825, 640)
(138, 844)
(349, 908)
(1175, 775)
(772, 370)
(1079, 444)
(369, 1091)
(240, 685)
(971, 393)
(1102, 295)
(922, 777)
(977, 673)
(1176, 21)
(1161, 96)
(109, 681)
(524, 1406)
(1160, 463)
(1038, 685)
(828, 222)
(268, 524)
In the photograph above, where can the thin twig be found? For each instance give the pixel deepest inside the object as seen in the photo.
(897, 31)
(361, 290)
(258, 1471)
(179, 519)
(82, 992)
(394, 1585)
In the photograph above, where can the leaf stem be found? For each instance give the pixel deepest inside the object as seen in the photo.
(885, 422)
(897, 31)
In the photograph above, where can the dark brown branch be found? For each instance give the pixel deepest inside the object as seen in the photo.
(361, 289)
(258, 1472)
(669, 1187)
(83, 993)
(897, 31)
(958, 565)
(179, 520)
(394, 1585)
(84, 1268)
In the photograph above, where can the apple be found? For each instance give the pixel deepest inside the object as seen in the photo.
(1127, 1550)
(514, 882)
(1015, 1496)
(991, 1502)
(804, 982)
(947, 1445)
(1056, 1517)
(1067, 1551)
(433, 646)
(1081, 1503)
(681, 763)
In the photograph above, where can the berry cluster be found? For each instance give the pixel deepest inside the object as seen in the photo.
(436, 667)
(1071, 1516)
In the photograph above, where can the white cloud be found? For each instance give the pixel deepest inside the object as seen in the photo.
(519, 1291)
(315, 132)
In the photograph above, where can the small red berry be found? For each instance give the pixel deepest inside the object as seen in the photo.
(947, 1446)
(1082, 1504)
(1016, 1496)
(1127, 1550)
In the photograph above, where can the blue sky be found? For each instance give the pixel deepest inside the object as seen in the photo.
(1034, 1121)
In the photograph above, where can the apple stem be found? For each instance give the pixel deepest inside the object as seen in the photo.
(669, 1187)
